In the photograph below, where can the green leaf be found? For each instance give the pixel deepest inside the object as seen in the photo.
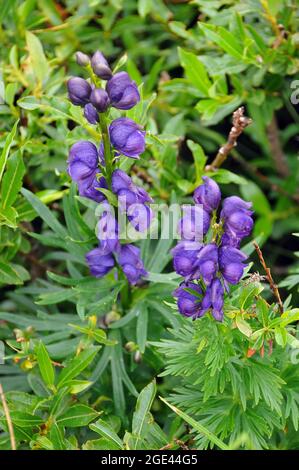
(9, 275)
(252, 192)
(141, 327)
(76, 366)
(143, 406)
(243, 326)
(195, 71)
(144, 7)
(105, 430)
(45, 365)
(77, 416)
(200, 158)
(12, 180)
(38, 60)
(44, 213)
(6, 148)
(25, 420)
(197, 426)
(28, 102)
(224, 39)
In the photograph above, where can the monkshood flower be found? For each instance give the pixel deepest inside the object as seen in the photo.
(122, 91)
(195, 223)
(216, 264)
(100, 66)
(140, 216)
(131, 263)
(127, 137)
(100, 99)
(91, 189)
(83, 161)
(231, 263)
(79, 91)
(208, 194)
(91, 114)
(107, 230)
(99, 262)
(82, 59)
(185, 259)
(189, 297)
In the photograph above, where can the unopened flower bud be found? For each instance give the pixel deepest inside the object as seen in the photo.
(100, 66)
(99, 99)
(82, 59)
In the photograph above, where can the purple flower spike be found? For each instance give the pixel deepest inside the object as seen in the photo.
(131, 263)
(79, 91)
(91, 190)
(99, 99)
(217, 293)
(122, 91)
(235, 204)
(91, 113)
(195, 223)
(100, 66)
(185, 259)
(140, 216)
(127, 137)
(83, 161)
(188, 300)
(99, 263)
(208, 194)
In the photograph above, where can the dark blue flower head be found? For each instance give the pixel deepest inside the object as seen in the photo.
(127, 137)
(231, 263)
(100, 66)
(189, 299)
(207, 262)
(79, 91)
(208, 194)
(99, 99)
(131, 263)
(122, 91)
(99, 262)
(140, 216)
(217, 293)
(235, 204)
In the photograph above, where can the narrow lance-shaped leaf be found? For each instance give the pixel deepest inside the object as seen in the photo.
(45, 365)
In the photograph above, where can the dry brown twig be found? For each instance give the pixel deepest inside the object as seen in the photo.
(272, 284)
(8, 419)
(239, 123)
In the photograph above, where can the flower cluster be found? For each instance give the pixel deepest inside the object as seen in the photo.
(95, 169)
(209, 268)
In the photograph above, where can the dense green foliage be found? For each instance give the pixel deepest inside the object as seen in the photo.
(82, 368)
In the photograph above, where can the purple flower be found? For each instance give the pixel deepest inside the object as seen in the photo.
(99, 263)
(231, 263)
(122, 91)
(99, 99)
(217, 293)
(238, 224)
(107, 230)
(208, 194)
(207, 262)
(83, 161)
(100, 66)
(189, 298)
(91, 189)
(82, 59)
(235, 204)
(185, 258)
(127, 137)
(127, 192)
(140, 216)
(195, 223)
(131, 263)
(91, 113)
(79, 91)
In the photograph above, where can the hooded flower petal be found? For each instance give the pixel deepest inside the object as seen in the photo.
(208, 194)
(122, 91)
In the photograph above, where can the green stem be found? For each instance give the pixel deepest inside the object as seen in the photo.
(107, 147)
